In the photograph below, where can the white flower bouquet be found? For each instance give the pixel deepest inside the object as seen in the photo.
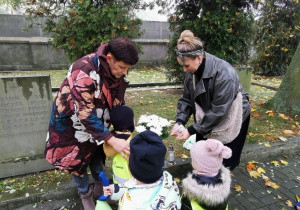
(154, 123)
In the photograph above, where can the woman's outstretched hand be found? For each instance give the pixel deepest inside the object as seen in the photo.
(177, 129)
(183, 135)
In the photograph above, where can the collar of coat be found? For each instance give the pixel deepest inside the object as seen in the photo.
(211, 195)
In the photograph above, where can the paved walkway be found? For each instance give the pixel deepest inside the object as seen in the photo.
(253, 195)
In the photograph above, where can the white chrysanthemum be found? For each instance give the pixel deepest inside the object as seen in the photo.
(143, 119)
(140, 128)
(155, 123)
(158, 131)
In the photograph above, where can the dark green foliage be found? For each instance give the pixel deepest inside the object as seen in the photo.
(278, 34)
(225, 27)
(79, 27)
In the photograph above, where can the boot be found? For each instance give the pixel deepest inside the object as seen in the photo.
(98, 190)
(88, 200)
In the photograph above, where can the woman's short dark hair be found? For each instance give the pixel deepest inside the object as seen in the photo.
(123, 49)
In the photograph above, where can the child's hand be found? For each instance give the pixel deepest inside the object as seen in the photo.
(107, 191)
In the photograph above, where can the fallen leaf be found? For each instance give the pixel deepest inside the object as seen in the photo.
(285, 156)
(253, 110)
(284, 162)
(271, 138)
(184, 156)
(238, 188)
(289, 203)
(254, 174)
(261, 103)
(282, 138)
(255, 115)
(250, 166)
(275, 163)
(271, 114)
(279, 197)
(288, 132)
(293, 127)
(298, 198)
(283, 116)
(267, 145)
(268, 183)
(261, 170)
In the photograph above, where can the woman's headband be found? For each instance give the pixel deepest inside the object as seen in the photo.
(193, 54)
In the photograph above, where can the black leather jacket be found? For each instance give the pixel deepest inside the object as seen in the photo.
(214, 93)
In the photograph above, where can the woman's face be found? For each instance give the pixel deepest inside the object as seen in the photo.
(190, 64)
(117, 68)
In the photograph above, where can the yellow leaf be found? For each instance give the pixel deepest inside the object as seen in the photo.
(268, 183)
(284, 162)
(177, 180)
(125, 28)
(289, 203)
(261, 170)
(254, 174)
(184, 156)
(288, 132)
(293, 127)
(282, 138)
(298, 199)
(283, 116)
(275, 163)
(271, 114)
(253, 110)
(238, 188)
(251, 134)
(267, 145)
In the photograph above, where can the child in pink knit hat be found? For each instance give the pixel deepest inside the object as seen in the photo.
(208, 186)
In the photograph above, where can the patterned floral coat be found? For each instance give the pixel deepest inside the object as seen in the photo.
(81, 112)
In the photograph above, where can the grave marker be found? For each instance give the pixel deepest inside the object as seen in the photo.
(25, 108)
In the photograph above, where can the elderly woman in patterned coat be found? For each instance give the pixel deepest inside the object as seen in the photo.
(81, 114)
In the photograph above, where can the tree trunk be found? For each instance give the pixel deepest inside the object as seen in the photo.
(287, 97)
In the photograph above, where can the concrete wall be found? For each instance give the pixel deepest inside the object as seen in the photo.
(32, 53)
(11, 26)
(20, 51)
(36, 53)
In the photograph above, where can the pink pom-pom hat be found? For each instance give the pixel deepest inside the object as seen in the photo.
(207, 157)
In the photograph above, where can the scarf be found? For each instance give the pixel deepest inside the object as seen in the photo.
(111, 84)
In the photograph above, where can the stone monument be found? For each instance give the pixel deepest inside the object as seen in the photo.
(25, 108)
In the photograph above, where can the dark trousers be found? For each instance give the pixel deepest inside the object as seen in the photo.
(236, 146)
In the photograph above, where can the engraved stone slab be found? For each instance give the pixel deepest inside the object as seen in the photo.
(25, 108)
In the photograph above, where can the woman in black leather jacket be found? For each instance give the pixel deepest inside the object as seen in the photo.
(214, 95)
